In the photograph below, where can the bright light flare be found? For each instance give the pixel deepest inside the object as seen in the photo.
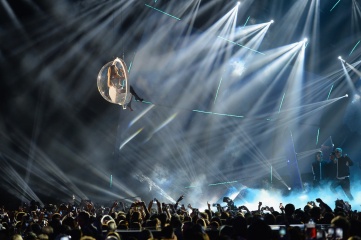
(272, 21)
(356, 98)
(304, 41)
(130, 138)
(142, 178)
(141, 115)
(341, 59)
(238, 67)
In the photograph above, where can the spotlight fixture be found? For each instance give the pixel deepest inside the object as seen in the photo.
(346, 95)
(339, 57)
(305, 39)
(238, 3)
(289, 189)
(272, 21)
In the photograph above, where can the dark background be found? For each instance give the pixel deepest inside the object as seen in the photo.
(60, 138)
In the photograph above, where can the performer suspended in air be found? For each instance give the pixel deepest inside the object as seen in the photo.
(117, 84)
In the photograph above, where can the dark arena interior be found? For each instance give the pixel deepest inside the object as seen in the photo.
(237, 98)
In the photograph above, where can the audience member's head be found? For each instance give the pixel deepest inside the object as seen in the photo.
(239, 227)
(113, 236)
(146, 234)
(175, 222)
(226, 231)
(259, 230)
(269, 218)
(289, 209)
(342, 222)
(197, 232)
(167, 232)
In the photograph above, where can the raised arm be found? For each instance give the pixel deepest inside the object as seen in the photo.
(146, 211)
(179, 199)
(111, 209)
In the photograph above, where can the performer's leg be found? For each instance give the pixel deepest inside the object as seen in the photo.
(316, 183)
(135, 94)
(345, 184)
(334, 185)
(129, 105)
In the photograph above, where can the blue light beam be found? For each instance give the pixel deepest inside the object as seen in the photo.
(219, 85)
(162, 12)
(241, 45)
(335, 5)
(246, 21)
(354, 48)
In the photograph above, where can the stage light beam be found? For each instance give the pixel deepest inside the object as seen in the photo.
(219, 85)
(354, 48)
(162, 12)
(241, 45)
(341, 59)
(246, 21)
(329, 93)
(335, 5)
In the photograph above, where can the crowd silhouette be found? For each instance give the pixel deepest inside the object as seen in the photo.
(87, 221)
